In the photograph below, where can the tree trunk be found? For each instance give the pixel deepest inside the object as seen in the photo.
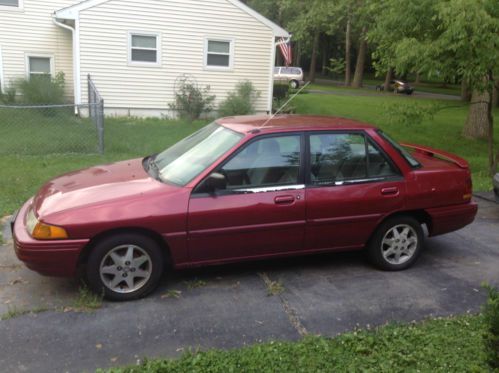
(465, 92)
(388, 77)
(478, 120)
(418, 78)
(361, 61)
(495, 94)
(325, 45)
(348, 62)
(313, 63)
(297, 54)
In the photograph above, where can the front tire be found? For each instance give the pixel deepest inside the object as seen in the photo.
(396, 244)
(125, 267)
(294, 84)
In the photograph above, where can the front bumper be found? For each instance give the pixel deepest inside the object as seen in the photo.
(495, 183)
(451, 218)
(51, 258)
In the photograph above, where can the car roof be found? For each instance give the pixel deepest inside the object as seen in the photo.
(289, 123)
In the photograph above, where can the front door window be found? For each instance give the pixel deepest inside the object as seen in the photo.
(271, 161)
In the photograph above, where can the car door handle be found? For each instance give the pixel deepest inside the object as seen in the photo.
(389, 191)
(284, 200)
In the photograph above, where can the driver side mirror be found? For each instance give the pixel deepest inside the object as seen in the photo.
(216, 181)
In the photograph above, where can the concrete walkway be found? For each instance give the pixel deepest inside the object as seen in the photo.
(230, 306)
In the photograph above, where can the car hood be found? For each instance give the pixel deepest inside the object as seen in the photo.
(94, 186)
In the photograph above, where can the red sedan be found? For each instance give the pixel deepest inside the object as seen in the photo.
(244, 188)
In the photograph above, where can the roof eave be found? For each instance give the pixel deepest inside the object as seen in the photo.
(71, 13)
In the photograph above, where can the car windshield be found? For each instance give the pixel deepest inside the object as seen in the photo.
(183, 161)
(408, 157)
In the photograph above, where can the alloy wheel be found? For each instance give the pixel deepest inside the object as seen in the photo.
(399, 244)
(125, 268)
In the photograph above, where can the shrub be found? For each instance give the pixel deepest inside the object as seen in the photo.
(9, 97)
(241, 101)
(191, 102)
(42, 89)
(410, 113)
(281, 95)
(281, 90)
(491, 336)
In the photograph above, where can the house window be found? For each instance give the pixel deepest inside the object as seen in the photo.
(144, 49)
(12, 3)
(219, 53)
(40, 66)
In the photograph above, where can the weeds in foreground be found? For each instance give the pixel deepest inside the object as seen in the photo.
(193, 284)
(172, 294)
(491, 334)
(87, 300)
(16, 312)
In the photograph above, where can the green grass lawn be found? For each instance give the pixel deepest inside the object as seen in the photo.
(442, 345)
(430, 87)
(22, 175)
(443, 131)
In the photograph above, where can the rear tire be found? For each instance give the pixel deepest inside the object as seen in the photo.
(125, 267)
(396, 244)
(294, 84)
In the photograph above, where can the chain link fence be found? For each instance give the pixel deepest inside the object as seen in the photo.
(53, 129)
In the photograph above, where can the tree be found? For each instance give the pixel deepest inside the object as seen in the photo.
(445, 38)
(312, 18)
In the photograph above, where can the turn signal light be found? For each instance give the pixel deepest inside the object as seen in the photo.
(48, 232)
(42, 231)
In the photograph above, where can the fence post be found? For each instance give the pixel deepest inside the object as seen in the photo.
(96, 111)
(100, 125)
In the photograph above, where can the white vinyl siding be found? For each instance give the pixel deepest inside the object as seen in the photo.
(144, 49)
(30, 31)
(219, 54)
(185, 26)
(2, 84)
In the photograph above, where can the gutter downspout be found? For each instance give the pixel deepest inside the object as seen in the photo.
(76, 80)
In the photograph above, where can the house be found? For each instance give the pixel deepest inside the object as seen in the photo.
(136, 51)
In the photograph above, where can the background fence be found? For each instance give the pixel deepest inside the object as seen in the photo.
(53, 129)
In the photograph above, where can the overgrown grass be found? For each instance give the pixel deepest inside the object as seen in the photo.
(26, 131)
(87, 300)
(22, 175)
(442, 345)
(17, 312)
(443, 131)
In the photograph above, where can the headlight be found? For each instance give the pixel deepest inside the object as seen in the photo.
(41, 231)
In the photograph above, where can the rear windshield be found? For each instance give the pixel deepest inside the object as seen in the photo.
(403, 152)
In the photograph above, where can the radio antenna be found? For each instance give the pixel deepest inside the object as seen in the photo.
(285, 104)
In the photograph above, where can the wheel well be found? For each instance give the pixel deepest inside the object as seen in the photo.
(142, 231)
(420, 215)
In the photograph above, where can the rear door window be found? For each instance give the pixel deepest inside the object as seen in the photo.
(336, 158)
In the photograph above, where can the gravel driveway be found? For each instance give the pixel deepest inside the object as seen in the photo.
(231, 306)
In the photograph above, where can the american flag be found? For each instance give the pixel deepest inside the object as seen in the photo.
(287, 54)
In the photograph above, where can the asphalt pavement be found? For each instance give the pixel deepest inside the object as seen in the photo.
(231, 306)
